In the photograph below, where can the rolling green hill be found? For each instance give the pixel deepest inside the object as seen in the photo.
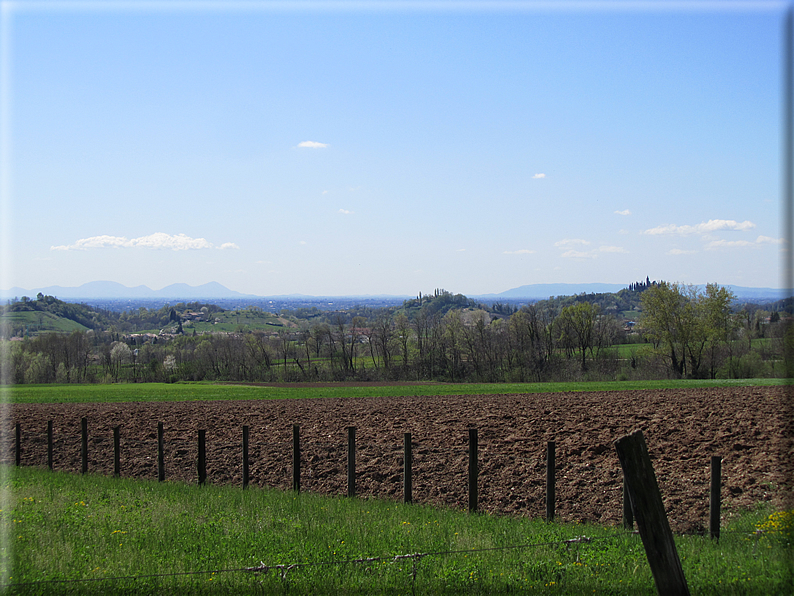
(35, 322)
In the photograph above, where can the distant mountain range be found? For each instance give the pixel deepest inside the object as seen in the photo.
(111, 289)
(214, 290)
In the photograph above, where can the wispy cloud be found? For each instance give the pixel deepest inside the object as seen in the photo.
(522, 251)
(571, 242)
(312, 145)
(618, 249)
(346, 212)
(578, 254)
(715, 244)
(461, 250)
(624, 212)
(678, 251)
(155, 241)
(768, 240)
(712, 225)
(536, 176)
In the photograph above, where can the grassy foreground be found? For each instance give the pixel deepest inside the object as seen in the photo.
(175, 538)
(24, 394)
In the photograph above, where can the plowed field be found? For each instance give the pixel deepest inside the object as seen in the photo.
(749, 427)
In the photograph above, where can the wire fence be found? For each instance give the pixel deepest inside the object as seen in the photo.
(183, 453)
(284, 568)
(443, 474)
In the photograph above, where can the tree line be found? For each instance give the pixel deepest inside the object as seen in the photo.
(680, 332)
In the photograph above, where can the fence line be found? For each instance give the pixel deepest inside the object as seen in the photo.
(286, 567)
(471, 452)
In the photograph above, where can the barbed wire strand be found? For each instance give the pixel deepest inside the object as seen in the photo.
(284, 568)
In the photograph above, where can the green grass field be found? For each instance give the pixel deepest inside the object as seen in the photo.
(68, 534)
(36, 322)
(230, 321)
(207, 391)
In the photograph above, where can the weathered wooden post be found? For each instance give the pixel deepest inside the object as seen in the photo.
(245, 457)
(628, 516)
(714, 500)
(18, 444)
(551, 479)
(160, 453)
(84, 444)
(296, 458)
(351, 461)
(473, 471)
(407, 464)
(202, 457)
(646, 502)
(49, 444)
(117, 451)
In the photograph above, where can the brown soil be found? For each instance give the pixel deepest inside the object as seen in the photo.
(749, 427)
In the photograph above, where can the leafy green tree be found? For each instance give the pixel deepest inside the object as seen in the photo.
(683, 321)
(577, 325)
(720, 323)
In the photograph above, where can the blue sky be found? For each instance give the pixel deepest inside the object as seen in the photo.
(391, 148)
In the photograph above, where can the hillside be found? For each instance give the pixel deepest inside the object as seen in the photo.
(47, 314)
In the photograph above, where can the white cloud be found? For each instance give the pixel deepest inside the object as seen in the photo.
(312, 145)
(714, 244)
(345, 212)
(619, 249)
(229, 245)
(768, 240)
(678, 251)
(571, 242)
(302, 242)
(728, 244)
(578, 254)
(624, 212)
(325, 192)
(461, 250)
(536, 176)
(158, 240)
(712, 225)
(522, 251)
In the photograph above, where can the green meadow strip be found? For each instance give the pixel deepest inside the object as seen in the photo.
(147, 392)
(65, 531)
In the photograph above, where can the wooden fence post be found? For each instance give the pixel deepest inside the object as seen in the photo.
(351, 461)
(245, 457)
(202, 457)
(646, 502)
(84, 444)
(628, 516)
(551, 479)
(714, 500)
(160, 453)
(296, 458)
(49, 444)
(117, 451)
(473, 471)
(18, 444)
(407, 464)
